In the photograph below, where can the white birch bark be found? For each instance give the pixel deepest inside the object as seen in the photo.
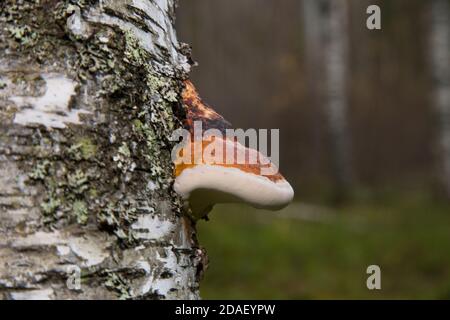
(327, 41)
(89, 93)
(440, 69)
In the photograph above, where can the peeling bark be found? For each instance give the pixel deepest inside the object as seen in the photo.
(89, 95)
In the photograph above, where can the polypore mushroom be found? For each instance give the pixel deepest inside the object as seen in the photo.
(244, 175)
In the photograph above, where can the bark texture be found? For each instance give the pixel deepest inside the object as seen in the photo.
(89, 95)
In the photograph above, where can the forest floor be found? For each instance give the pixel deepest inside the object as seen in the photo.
(307, 252)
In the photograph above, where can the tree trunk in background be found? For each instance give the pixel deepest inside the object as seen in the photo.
(89, 94)
(440, 65)
(327, 44)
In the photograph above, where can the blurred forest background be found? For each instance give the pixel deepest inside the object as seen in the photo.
(364, 119)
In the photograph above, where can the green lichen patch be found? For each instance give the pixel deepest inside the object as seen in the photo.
(115, 282)
(50, 206)
(78, 182)
(24, 35)
(124, 159)
(124, 150)
(102, 169)
(80, 211)
(83, 149)
(40, 172)
(136, 91)
(118, 218)
(66, 195)
(24, 21)
(154, 125)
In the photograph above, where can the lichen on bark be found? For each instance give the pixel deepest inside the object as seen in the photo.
(90, 183)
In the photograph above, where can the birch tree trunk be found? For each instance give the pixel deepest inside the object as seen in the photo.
(89, 95)
(327, 42)
(440, 69)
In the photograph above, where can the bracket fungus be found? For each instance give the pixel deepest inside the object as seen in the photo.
(213, 166)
